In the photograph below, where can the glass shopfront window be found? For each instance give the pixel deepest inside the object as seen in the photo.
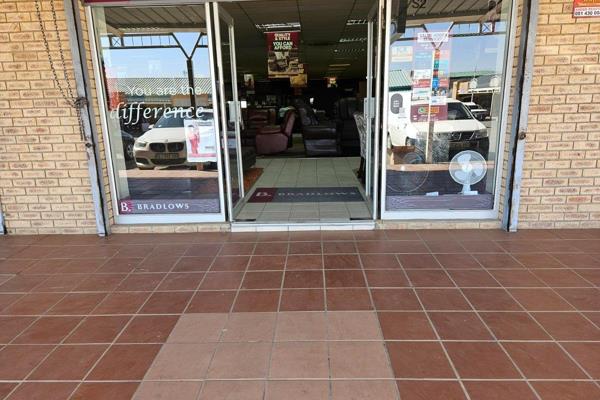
(162, 126)
(446, 73)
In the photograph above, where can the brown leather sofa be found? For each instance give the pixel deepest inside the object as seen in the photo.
(273, 139)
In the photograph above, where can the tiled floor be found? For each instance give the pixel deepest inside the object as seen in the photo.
(306, 172)
(410, 315)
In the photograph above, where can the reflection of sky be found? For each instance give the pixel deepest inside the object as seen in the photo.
(467, 53)
(139, 63)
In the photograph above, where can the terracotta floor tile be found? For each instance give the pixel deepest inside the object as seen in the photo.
(481, 246)
(166, 303)
(302, 300)
(43, 391)
(238, 390)
(271, 248)
(140, 282)
(261, 263)
(6, 388)
(363, 390)
(445, 246)
(513, 326)
(543, 361)
(395, 299)
(294, 326)
(341, 278)
(156, 263)
(257, 301)
(198, 328)
(16, 362)
(561, 278)
(386, 278)
(262, 280)
(299, 360)
(583, 299)
(211, 302)
(297, 390)
(472, 278)
(337, 235)
(359, 325)
(181, 361)
(181, 281)
(429, 278)
(222, 280)
(206, 250)
(304, 262)
(303, 279)
(121, 303)
(348, 299)
(567, 326)
(230, 264)
(418, 261)
(540, 300)
(98, 329)
(100, 283)
(237, 249)
(77, 304)
(193, 264)
(405, 326)
(124, 362)
(373, 364)
(498, 390)
(48, 330)
(587, 355)
(10, 327)
(341, 261)
(68, 362)
(419, 360)
(591, 275)
(240, 361)
(443, 299)
(538, 260)
(117, 264)
(170, 250)
(430, 390)
(6, 299)
(33, 304)
(105, 391)
(516, 278)
(459, 326)
(497, 261)
(567, 390)
(491, 300)
(23, 283)
(148, 329)
(340, 247)
(305, 248)
(578, 260)
(379, 261)
(457, 261)
(168, 390)
(249, 327)
(480, 360)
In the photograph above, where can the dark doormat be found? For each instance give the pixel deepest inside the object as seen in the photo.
(306, 195)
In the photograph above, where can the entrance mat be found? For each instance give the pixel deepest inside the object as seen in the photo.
(306, 195)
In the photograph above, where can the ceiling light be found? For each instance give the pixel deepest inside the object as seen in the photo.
(353, 40)
(278, 26)
(356, 22)
(339, 65)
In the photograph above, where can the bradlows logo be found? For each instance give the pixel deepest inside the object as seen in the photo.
(152, 206)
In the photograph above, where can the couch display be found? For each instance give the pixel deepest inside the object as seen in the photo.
(273, 139)
(321, 138)
(344, 110)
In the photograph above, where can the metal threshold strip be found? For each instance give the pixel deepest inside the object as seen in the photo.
(302, 226)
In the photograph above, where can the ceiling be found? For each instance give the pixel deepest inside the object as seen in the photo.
(326, 37)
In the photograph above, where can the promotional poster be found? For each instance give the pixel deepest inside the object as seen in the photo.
(586, 8)
(283, 54)
(200, 141)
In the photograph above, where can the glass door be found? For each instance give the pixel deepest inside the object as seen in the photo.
(229, 106)
(372, 107)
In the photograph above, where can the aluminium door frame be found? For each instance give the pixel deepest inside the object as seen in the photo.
(445, 214)
(143, 219)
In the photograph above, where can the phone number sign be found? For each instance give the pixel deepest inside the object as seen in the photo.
(586, 8)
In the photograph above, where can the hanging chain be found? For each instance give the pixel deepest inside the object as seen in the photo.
(77, 103)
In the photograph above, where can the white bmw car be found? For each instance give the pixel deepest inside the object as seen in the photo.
(164, 145)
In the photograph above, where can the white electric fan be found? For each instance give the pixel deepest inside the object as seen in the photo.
(467, 168)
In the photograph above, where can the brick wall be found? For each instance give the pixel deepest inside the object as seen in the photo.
(44, 185)
(561, 186)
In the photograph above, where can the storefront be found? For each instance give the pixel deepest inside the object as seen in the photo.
(174, 105)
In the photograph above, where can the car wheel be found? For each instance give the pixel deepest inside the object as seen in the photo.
(128, 150)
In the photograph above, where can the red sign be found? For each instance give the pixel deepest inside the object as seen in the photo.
(586, 8)
(283, 54)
